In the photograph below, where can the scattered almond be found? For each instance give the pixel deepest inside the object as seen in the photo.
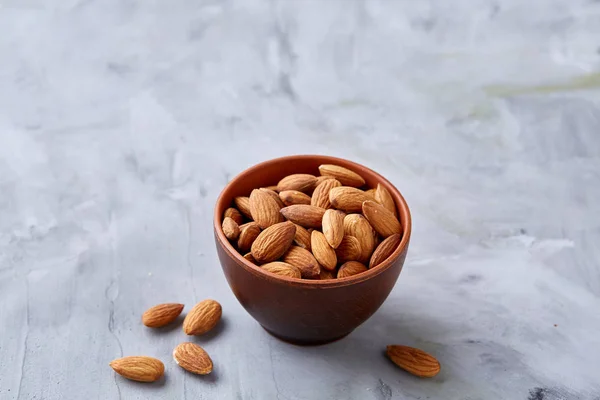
(324, 254)
(350, 268)
(385, 249)
(243, 205)
(304, 215)
(264, 209)
(273, 242)
(302, 238)
(161, 315)
(203, 317)
(291, 197)
(139, 368)
(304, 261)
(333, 227)
(347, 198)
(348, 250)
(414, 361)
(248, 234)
(320, 197)
(344, 175)
(235, 215)
(230, 229)
(282, 268)
(299, 182)
(193, 358)
(274, 196)
(382, 220)
(383, 197)
(356, 225)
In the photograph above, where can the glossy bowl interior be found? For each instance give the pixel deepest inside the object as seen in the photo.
(298, 310)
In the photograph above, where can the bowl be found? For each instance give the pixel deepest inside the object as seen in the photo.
(306, 311)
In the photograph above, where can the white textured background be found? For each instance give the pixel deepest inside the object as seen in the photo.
(121, 121)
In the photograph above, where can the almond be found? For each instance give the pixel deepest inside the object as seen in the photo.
(264, 209)
(350, 268)
(385, 249)
(347, 198)
(371, 192)
(320, 196)
(321, 179)
(248, 234)
(344, 175)
(414, 361)
(250, 257)
(202, 318)
(304, 215)
(324, 254)
(274, 196)
(243, 205)
(139, 368)
(383, 197)
(304, 261)
(283, 269)
(273, 242)
(193, 358)
(161, 315)
(235, 215)
(333, 227)
(356, 225)
(291, 197)
(273, 188)
(230, 229)
(382, 220)
(348, 250)
(326, 274)
(302, 238)
(299, 182)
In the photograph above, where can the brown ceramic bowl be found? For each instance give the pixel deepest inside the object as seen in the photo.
(306, 311)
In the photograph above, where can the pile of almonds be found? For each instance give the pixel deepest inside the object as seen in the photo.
(315, 227)
(202, 318)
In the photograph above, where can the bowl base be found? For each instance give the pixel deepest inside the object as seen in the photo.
(301, 342)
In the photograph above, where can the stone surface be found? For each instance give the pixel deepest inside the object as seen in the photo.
(120, 122)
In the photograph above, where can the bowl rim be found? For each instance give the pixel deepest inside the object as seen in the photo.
(403, 209)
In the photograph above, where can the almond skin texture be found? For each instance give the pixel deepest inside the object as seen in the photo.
(321, 179)
(161, 315)
(299, 182)
(347, 198)
(291, 197)
(304, 215)
(139, 368)
(414, 361)
(304, 261)
(348, 250)
(351, 268)
(235, 215)
(333, 227)
(324, 254)
(193, 358)
(250, 257)
(274, 196)
(283, 269)
(302, 238)
(264, 209)
(202, 318)
(383, 197)
(385, 249)
(382, 220)
(327, 274)
(320, 196)
(371, 192)
(356, 225)
(230, 229)
(242, 203)
(344, 175)
(248, 234)
(273, 242)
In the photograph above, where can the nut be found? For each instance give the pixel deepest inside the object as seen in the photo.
(193, 358)
(203, 317)
(161, 315)
(414, 361)
(139, 368)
